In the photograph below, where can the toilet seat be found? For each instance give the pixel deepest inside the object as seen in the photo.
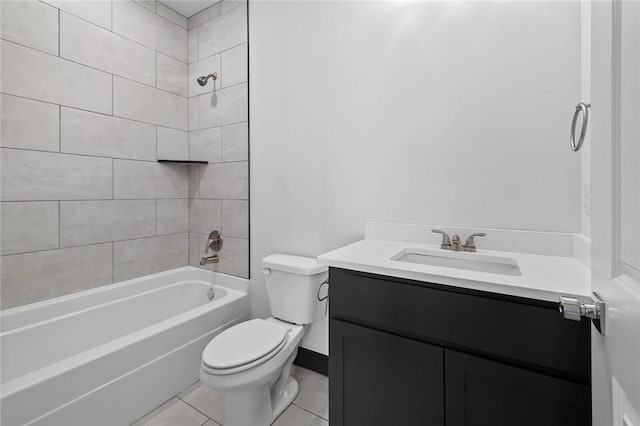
(243, 346)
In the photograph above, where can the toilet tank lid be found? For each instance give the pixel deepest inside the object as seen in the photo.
(293, 264)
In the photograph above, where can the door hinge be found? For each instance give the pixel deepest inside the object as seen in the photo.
(573, 310)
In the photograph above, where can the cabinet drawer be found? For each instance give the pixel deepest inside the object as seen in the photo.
(508, 329)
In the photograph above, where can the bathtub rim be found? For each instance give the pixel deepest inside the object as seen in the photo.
(49, 372)
(211, 277)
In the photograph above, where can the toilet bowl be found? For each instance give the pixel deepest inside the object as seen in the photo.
(252, 361)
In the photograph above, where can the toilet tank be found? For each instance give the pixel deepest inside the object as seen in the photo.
(293, 284)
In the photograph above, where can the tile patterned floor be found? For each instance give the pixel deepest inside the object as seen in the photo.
(200, 405)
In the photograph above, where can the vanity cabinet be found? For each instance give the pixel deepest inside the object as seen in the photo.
(407, 353)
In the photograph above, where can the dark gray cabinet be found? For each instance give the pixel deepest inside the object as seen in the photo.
(386, 379)
(405, 352)
(479, 392)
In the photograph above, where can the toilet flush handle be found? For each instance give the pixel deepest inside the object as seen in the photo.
(266, 271)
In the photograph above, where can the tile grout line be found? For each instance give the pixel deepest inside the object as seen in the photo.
(308, 411)
(177, 396)
(113, 261)
(101, 113)
(59, 33)
(13, 148)
(101, 243)
(117, 33)
(220, 52)
(59, 222)
(62, 58)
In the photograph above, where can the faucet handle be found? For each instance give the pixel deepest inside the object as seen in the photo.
(446, 241)
(214, 242)
(470, 244)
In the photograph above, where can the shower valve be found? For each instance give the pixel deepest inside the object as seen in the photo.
(214, 242)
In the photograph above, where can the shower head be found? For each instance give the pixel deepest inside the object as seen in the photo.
(202, 80)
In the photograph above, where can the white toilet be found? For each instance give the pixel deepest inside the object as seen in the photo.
(252, 361)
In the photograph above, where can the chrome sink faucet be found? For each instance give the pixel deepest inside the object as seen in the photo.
(454, 244)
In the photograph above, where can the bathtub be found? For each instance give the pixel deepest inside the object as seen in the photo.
(109, 355)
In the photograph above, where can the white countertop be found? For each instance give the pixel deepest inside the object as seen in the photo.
(543, 277)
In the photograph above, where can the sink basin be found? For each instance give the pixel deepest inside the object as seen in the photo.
(460, 260)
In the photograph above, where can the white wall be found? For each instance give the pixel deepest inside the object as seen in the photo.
(447, 113)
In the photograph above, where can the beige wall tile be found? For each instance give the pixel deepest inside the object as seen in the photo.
(90, 222)
(139, 102)
(225, 181)
(32, 277)
(173, 216)
(235, 142)
(205, 216)
(192, 45)
(98, 11)
(28, 226)
(135, 258)
(235, 218)
(29, 124)
(144, 26)
(88, 44)
(206, 145)
(221, 33)
(30, 23)
(172, 75)
(88, 133)
(227, 5)
(225, 106)
(204, 15)
(171, 15)
(235, 66)
(146, 180)
(173, 144)
(33, 175)
(32, 74)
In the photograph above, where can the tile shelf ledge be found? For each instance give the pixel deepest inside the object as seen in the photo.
(183, 162)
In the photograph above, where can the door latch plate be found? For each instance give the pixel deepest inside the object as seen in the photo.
(573, 310)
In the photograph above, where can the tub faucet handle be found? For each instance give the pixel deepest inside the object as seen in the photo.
(214, 242)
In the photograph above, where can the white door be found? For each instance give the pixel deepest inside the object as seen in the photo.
(615, 209)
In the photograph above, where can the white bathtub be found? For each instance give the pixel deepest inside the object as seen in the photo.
(109, 355)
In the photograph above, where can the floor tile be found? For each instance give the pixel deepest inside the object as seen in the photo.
(192, 406)
(296, 416)
(173, 412)
(314, 392)
(205, 399)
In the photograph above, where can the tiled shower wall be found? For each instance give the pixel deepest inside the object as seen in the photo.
(92, 94)
(218, 132)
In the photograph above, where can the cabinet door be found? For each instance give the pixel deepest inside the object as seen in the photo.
(479, 392)
(377, 378)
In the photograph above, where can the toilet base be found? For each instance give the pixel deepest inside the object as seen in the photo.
(287, 396)
(254, 406)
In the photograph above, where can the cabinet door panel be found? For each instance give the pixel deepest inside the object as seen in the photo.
(377, 378)
(479, 392)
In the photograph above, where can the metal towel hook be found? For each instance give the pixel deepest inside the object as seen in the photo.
(584, 108)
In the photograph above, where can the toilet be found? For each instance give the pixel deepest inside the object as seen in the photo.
(252, 361)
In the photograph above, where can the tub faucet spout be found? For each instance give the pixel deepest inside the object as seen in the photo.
(209, 259)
